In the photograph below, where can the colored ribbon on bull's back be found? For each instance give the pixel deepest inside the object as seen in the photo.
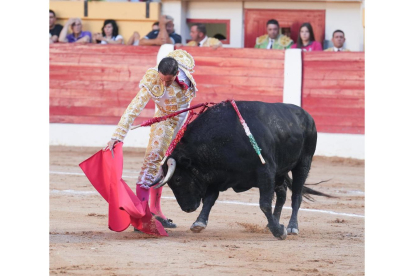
(247, 131)
(105, 174)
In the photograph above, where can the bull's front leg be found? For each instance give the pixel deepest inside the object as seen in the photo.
(208, 202)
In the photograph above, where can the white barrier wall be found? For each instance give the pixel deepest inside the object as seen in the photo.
(341, 145)
(80, 135)
(329, 144)
(292, 87)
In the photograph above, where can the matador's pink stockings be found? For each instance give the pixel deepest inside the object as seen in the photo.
(155, 202)
(142, 193)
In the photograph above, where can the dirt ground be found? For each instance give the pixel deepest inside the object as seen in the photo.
(235, 242)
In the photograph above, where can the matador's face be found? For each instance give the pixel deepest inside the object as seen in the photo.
(166, 80)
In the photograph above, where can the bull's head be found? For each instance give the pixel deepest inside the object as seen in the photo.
(182, 178)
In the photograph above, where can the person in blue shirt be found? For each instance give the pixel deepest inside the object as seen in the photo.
(77, 34)
(54, 29)
(165, 35)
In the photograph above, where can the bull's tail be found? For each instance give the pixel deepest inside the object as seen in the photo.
(306, 192)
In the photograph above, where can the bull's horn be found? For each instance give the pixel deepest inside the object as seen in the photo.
(171, 168)
(156, 181)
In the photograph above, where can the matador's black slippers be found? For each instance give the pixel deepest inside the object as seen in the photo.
(166, 223)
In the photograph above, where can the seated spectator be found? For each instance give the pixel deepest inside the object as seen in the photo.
(338, 40)
(306, 39)
(77, 34)
(134, 39)
(199, 38)
(54, 29)
(156, 26)
(109, 34)
(273, 39)
(165, 35)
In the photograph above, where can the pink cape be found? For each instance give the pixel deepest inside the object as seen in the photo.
(105, 174)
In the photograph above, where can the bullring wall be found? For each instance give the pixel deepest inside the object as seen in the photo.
(91, 85)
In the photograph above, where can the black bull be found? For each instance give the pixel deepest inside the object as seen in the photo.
(215, 154)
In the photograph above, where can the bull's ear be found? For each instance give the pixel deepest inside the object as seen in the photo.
(185, 162)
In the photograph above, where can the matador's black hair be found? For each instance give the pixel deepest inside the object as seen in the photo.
(168, 66)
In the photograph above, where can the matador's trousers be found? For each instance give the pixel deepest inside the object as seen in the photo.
(161, 135)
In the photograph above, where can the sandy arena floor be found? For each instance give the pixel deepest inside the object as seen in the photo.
(235, 241)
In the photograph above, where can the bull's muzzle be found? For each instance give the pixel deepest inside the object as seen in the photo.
(164, 180)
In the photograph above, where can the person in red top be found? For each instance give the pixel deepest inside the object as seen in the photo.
(306, 39)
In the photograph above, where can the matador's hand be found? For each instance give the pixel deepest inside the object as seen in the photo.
(112, 143)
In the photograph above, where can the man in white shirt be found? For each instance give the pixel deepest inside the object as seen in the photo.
(338, 40)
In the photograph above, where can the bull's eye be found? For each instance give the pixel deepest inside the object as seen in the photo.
(177, 179)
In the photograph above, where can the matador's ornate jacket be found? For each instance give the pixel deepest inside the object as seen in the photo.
(167, 100)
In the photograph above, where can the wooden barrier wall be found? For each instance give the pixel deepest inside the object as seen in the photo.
(333, 91)
(93, 84)
(240, 74)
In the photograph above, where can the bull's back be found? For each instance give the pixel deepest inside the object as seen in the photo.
(285, 131)
(282, 131)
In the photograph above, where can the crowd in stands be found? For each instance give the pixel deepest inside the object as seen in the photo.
(163, 33)
(305, 41)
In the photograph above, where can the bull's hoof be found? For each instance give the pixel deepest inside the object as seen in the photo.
(279, 232)
(293, 231)
(283, 237)
(198, 226)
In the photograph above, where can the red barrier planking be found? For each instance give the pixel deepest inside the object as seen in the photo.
(330, 74)
(85, 58)
(102, 49)
(93, 120)
(93, 84)
(333, 65)
(242, 53)
(333, 91)
(240, 71)
(239, 80)
(239, 62)
(242, 90)
(333, 56)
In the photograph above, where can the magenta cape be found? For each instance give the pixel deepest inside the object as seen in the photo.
(105, 174)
